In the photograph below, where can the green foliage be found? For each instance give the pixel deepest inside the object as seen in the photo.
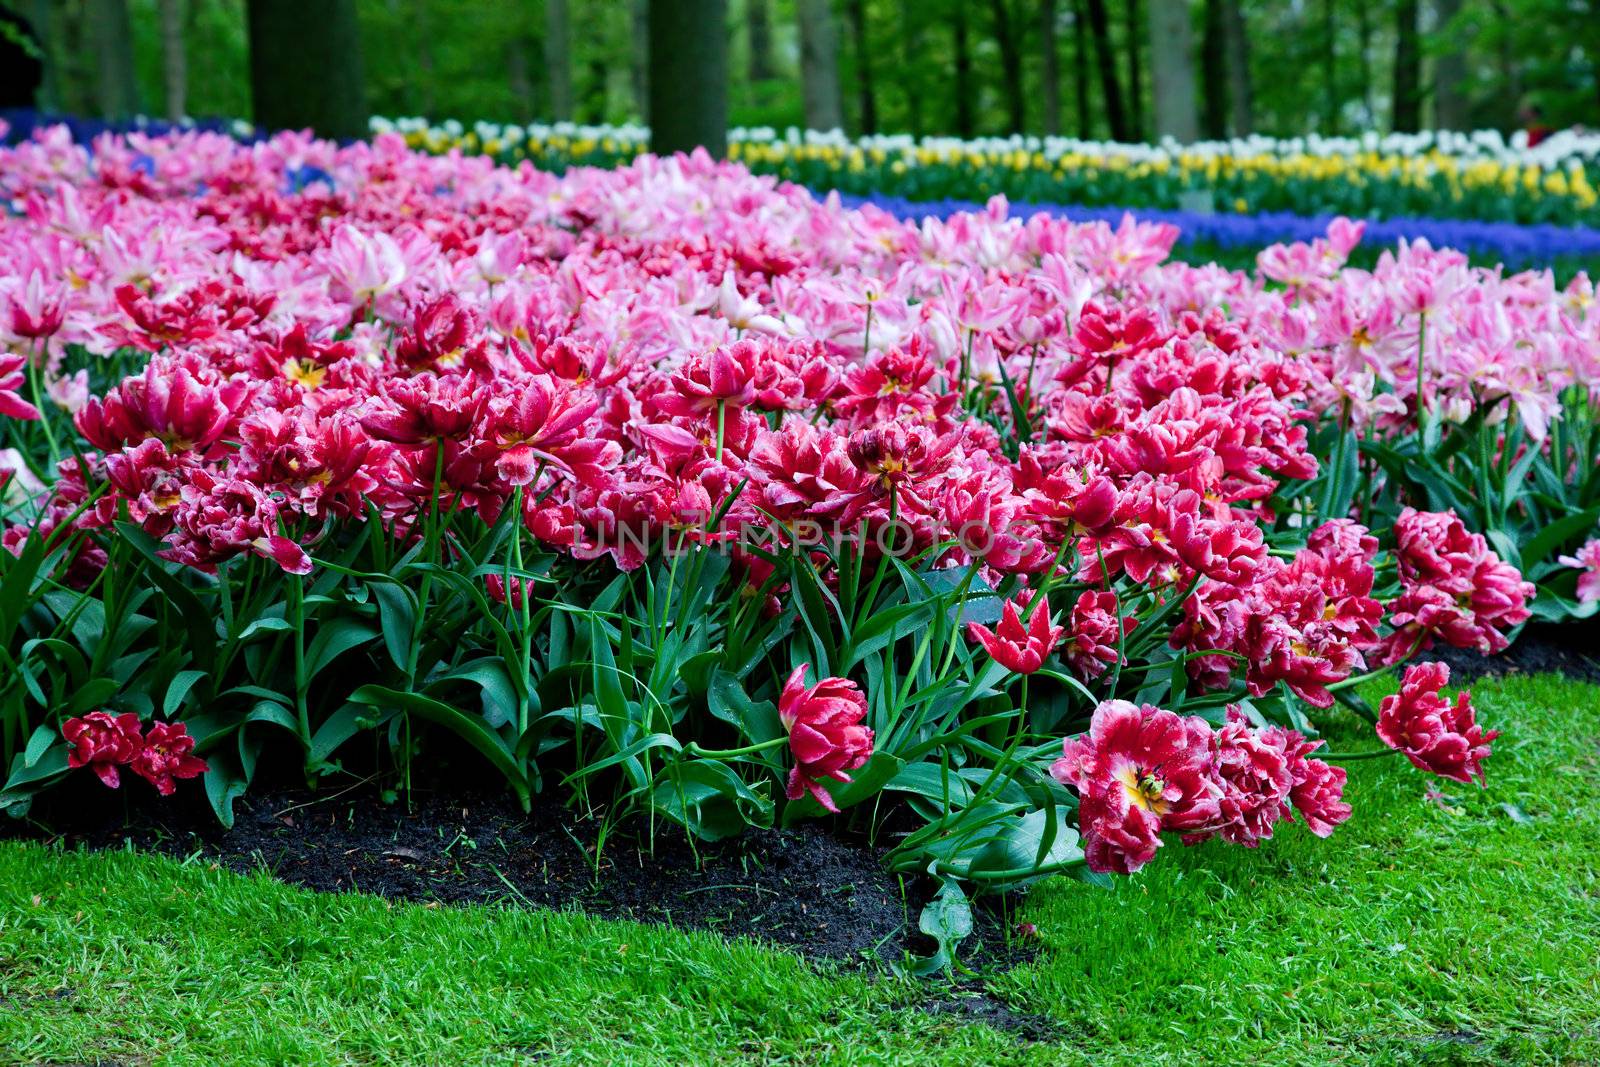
(1457, 928)
(1328, 67)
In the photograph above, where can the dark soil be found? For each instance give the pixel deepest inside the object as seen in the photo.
(1569, 648)
(824, 896)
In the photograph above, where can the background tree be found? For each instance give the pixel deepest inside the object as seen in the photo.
(1133, 37)
(111, 40)
(1364, 57)
(1331, 99)
(305, 66)
(689, 76)
(174, 58)
(1214, 73)
(819, 65)
(963, 84)
(1005, 35)
(758, 22)
(1080, 69)
(1050, 66)
(1449, 67)
(955, 71)
(639, 53)
(1172, 70)
(1106, 59)
(1236, 48)
(1407, 107)
(558, 58)
(519, 77)
(912, 35)
(861, 47)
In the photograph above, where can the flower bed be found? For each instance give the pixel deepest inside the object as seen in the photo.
(1533, 246)
(1477, 176)
(677, 494)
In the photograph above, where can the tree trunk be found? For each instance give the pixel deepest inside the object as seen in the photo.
(1050, 74)
(1407, 58)
(424, 81)
(1135, 33)
(866, 99)
(1214, 73)
(819, 65)
(305, 67)
(1364, 44)
(519, 78)
(911, 20)
(1010, 65)
(1241, 101)
(1110, 88)
(1591, 46)
(1449, 71)
(1172, 79)
(759, 20)
(1080, 69)
(640, 32)
(1510, 73)
(558, 58)
(111, 37)
(689, 76)
(1330, 68)
(593, 104)
(174, 68)
(963, 47)
(46, 26)
(72, 44)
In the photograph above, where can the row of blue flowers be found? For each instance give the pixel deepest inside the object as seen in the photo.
(1512, 244)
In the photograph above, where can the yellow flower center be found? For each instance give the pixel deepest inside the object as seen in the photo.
(1145, 789)
(305, 372)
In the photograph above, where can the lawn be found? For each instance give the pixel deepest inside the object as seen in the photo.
(1456, 926)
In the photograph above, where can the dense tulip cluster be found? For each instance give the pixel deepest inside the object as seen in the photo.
(679, 354)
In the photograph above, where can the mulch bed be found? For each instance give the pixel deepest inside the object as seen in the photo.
(1570, 648)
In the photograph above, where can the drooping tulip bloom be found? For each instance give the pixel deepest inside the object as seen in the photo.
(1587, 560)
(1454, 587)
(12, 406)
(826, 734)
(1318, 792)
(1435, 735)
(167, 754)
(1256, 781)
(1138, 771)
(103, 743)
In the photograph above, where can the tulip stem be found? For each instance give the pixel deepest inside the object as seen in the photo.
(297, 613)
(43, 402)
(1358, 679)
(722, 415)
(1422, 349)
(1346, 757)
(693, 749)
(517, 592)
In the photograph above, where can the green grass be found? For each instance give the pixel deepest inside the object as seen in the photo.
(1461, 928)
